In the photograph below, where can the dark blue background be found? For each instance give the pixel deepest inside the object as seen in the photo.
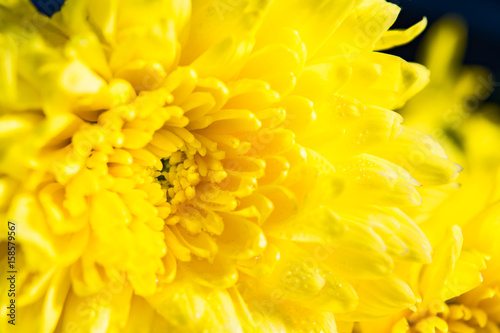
(483, 21)
(482, 17)
(48, 7)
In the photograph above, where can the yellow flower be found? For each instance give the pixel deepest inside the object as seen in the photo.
(209, 166)
(459, 291)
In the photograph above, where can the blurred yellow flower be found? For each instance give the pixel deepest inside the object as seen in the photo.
(209, 166)
(460, 290)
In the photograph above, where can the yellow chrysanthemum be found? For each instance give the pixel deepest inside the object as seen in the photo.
(460, 290)
(209, 166)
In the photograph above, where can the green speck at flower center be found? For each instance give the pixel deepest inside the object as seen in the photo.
(179, 177)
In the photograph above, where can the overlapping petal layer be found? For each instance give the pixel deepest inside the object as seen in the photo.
(210, 165)
(458, 291)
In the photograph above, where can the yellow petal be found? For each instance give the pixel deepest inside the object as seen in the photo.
(382, 297)
(308, 18)
(389, 81)
(300, 277)
(107, 309)
(55, 299)
(397, 37)
(321, 225)
(421, 156)
(261, 265)
(466, 274)
(39, 242)
(394, 221)
(219, 273)
(241, 239)
(362, 28)
(352, 262)
(377, 181)
(140, 316)
(449, 35)
(445, 257)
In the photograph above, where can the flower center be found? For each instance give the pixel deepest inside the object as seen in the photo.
(179, 177)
